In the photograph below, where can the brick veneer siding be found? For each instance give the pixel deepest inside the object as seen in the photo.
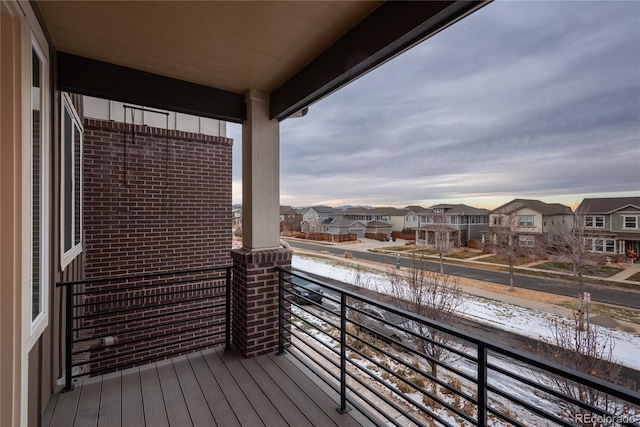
(152, 203)
(255, 299)
(161, 208)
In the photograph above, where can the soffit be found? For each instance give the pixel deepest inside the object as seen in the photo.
(233, 46)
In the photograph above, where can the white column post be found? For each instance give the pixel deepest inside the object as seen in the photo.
(260, 174)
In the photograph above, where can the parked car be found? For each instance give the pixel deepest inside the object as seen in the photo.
(305, 291)
(374, 320)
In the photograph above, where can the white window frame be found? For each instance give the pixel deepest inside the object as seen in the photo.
(525, 224)
(34, 326)
(594, 221)
(76, 248)
(528, 240)
(624, 222)
(607, 246)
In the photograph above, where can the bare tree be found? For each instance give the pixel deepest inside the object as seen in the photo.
(442, 238)
(509, 240)
(355, 310)
(431, 295)
(574, 245)
(589, 351)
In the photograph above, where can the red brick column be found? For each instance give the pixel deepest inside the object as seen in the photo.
(255, 299)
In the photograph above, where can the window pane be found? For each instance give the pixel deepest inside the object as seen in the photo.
(68, 181)
(36, 252)
(77, 187)
(599, 245)
(630, 222)
(36, 67)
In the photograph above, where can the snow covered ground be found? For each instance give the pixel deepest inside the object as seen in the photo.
(532, 323)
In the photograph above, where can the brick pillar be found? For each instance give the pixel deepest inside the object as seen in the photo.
(255, 299)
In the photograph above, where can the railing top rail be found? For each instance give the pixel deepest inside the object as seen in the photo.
(549, 366)
(141, 276)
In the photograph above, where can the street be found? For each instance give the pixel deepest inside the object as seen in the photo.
(608, 295)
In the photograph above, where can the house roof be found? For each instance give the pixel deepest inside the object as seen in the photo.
(536, 205)
(376, 211)
(416, 209)
(324, 210)
(607, 205)
(379, 224)
(342, 222)
(460, 209)
(285, 210)
(202, 57)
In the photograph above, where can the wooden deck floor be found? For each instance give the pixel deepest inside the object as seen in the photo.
(207, 388)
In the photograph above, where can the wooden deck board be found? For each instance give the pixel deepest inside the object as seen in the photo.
(155, 413)
(132, 403)
(196, 403)
(88, 403)
(174, 401)
(309, 392)
(64, 413)
(259, 400)
(217, 401)
(207, 388)
(247, 416)
(111, 401)
(273, 389)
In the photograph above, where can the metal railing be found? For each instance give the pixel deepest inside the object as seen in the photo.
(112, 323)
(403, 369)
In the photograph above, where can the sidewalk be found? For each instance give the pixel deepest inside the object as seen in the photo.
(627, 272)
(468, 288)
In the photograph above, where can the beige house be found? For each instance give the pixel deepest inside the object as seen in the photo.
(537, 224)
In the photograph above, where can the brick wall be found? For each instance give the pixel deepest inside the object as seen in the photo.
(256, 299)
(154, 201)
(154, 204)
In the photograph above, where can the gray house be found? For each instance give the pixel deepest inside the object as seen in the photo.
(344, 226)
(464, 222)
(612, 224)
(313, 216)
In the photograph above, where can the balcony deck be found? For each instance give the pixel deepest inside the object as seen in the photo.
(206, 388)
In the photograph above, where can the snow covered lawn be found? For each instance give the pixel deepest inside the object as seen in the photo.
(521, 320)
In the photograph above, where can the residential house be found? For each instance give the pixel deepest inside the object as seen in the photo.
(389, 215)
(412, 217)
(343, 226)
(379, 228)
(612, 225)
(236, 215)
(290, 219)
(313, 216)
(536, 223)
(464, 223)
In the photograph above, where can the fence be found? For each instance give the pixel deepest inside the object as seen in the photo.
(403, 369)
(116, 322)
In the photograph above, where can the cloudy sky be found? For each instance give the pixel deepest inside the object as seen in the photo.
(521, 99)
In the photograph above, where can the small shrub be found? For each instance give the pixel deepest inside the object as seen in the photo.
(469, 408)
(405, 388)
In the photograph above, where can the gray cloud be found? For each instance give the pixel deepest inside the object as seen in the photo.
(521, 99)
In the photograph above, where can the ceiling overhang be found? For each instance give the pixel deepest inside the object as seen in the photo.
(100, 79)
(297, 52)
